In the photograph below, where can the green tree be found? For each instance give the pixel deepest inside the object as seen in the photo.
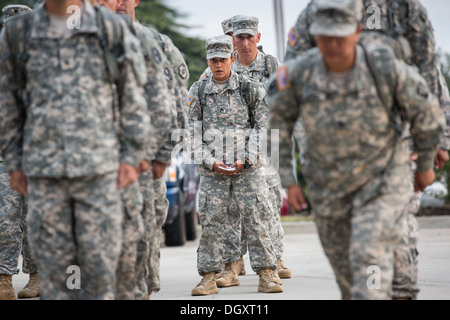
(167, 21)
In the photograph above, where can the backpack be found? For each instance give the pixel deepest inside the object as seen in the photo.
(18, 33)
(246, 86)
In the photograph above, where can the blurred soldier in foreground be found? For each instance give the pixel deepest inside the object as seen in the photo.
(223, 110)
(404, 26)
(165, 121)
(356, 161)
(72, 136)
(13, 228)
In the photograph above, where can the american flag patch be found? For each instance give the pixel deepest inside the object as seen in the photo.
(283, 78)
(293, 37)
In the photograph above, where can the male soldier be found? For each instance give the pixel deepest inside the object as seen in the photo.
(221, 113)
(177, 75)
(131, 274)
(356, 167)
(258, 66)
(13, 209)
(72, 135)
(403, 25)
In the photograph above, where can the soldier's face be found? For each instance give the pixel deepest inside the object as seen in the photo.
(127, 6)
(110, 4)
(338, 52)
(220, 67)
(246, 43)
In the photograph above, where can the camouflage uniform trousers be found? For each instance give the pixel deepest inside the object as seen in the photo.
(76, 222)
(215, 197)
(236, 235)
(13, 229)
(360, 240)
(146, 187)
(133, 231)
(406, 255)
(158, 220)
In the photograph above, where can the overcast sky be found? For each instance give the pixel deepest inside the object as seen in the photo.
(205, 17)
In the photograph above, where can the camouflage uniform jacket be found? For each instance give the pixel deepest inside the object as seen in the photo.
(349, 127)
(258, 70)
(403, 25)
(159, 93)
(224, 114)
(70, 120)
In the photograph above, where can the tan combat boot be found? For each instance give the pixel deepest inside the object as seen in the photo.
(6, 288)
(32, 288)
(229, 276)
(267, 282)
(241, 266)
(207, 286)
(283, 271)
(218, 275)
(276, 277)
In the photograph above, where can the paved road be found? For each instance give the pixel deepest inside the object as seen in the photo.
(312, 276)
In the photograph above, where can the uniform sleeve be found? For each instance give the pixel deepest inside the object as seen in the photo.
(424, 55)
(12, 111)
(134, 118)
(284, 107)
(160, 98)
(422, 110)
(199, 149)
(299, 38)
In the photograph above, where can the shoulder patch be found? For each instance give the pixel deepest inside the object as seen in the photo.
(283, 80)
(293, 37)
(190, 100)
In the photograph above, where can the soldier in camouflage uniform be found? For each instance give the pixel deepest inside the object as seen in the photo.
(132, 271)
(13, 209)
(173, 117)
(403, 25)
(356, 161)
(83, 139)
(222, 112)
(258, 66)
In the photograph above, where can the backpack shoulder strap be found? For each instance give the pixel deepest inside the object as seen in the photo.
(271, 64)
(109, 34)
(249, 89)
(381, 63)
(201, 91)
(17, 34)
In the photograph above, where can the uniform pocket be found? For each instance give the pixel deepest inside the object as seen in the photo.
(202, 200)
(263, 205)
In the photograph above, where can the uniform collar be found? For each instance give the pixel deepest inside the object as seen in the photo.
(41, 21)
(255, 65)
(233, 84)
(322, 83)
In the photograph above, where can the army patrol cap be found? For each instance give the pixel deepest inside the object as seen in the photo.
(245, 25)
(13, 9)
(336, 18)
(219, 47)
(227, 26)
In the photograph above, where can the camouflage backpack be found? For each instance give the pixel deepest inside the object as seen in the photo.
(18, 33)
(247, 86)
